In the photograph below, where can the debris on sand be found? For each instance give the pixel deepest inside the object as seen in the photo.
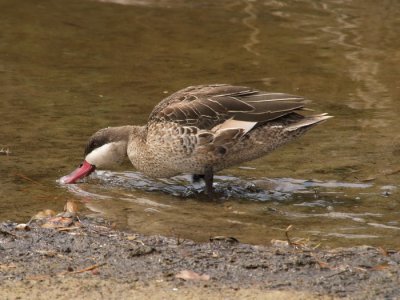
(92, 248)
(190, 275)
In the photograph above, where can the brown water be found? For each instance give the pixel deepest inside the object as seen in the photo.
(68, 68)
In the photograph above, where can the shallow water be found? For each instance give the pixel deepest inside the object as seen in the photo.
(68, 68)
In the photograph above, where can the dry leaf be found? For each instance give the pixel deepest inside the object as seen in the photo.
(44, 214)
(7, 266)
(71, 207)
(279, 243)
(47, 253)
(383, 251)
(95, 272)
(229, 239)
(324, 265)
(49, 213)
(215, 254)
(67, 228)
(23, 226)
(190, 275)
(57, 222)
(391, 172)
(380, 267)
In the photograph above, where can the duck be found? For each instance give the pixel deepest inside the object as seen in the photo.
(201, 130)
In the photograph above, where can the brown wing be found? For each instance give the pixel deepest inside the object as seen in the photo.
(207, 106)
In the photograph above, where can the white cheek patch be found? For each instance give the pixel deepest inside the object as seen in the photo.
(107, 155)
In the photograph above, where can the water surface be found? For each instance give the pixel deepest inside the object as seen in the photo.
(68, 68)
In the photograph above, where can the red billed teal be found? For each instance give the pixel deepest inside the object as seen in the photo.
(201, 130)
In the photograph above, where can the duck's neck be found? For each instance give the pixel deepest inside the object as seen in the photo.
(152, 159)
(137, 148)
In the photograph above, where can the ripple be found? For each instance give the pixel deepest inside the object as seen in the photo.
(249, 206)
(353, 236)
(226, 187)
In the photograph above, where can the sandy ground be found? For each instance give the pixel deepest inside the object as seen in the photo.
(90, 260)
(94, 288)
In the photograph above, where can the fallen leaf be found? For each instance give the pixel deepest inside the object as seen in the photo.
(7, 266)
(190, 275)
(67, 228)
(23, 226)
(229, 239)
(49, 212)
(371, 178)
(47, 253)
(380, 267)
(383, 251)
(71, 206)
(44, 214)
(95, 272)
(280, 243)
(215, 254)
(391, 172)
(324, 265)
(58, 222)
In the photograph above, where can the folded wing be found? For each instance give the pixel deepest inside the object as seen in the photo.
(217, 107)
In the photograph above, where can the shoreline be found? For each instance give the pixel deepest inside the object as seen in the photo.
(87, 258)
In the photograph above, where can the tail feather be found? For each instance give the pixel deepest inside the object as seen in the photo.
(308, 121)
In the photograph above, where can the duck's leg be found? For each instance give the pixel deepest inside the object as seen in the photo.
(209, 178)
(197, 177)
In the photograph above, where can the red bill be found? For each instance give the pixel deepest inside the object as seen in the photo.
(85, 169)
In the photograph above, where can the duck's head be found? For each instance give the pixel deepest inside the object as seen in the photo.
(104, 150)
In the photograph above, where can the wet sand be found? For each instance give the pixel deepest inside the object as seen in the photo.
(91, 260)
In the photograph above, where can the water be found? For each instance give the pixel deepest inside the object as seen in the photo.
(70, 68)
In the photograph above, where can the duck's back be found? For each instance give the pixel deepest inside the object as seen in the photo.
(206, 106)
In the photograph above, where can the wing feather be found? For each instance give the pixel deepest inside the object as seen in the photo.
(207, 106)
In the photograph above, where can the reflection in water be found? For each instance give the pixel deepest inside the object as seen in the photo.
(250, 22)
(226, 187)
(150, 3)
(365, 68)
(134, 201)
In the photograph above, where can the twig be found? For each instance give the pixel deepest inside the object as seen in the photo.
(322, 264)
(392, 172)
(287, 235)
(5, 232)
(27, 178)
(84, 270)
(68, 228)
(139, 242)
(38, 277)
(337, 273)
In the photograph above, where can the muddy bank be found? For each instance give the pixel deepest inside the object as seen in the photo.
(90, 258)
